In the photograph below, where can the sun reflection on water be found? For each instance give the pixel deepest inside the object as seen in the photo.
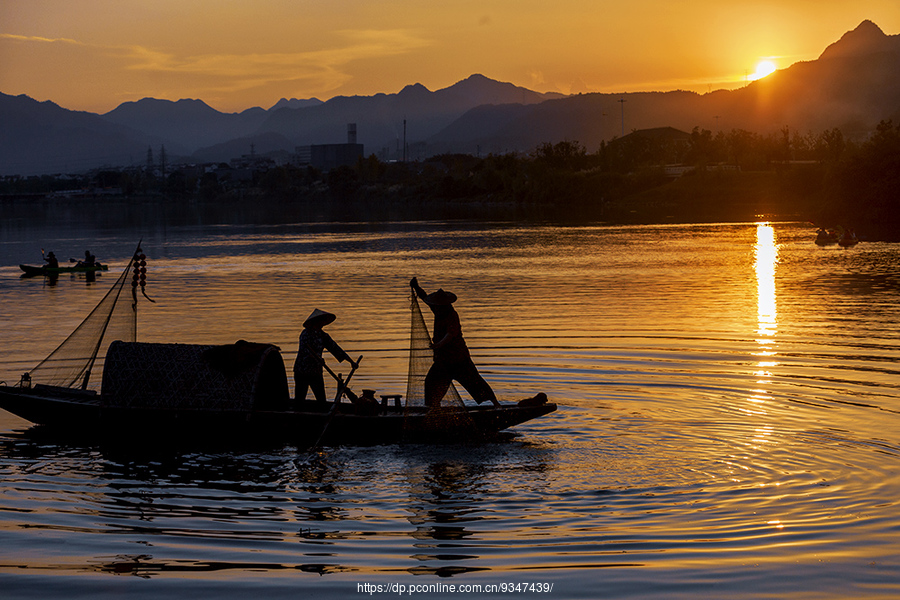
(766, 259)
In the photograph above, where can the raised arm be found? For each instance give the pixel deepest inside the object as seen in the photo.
(414, 284)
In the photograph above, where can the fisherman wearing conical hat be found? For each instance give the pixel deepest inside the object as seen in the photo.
(452, 360)
(308, 366)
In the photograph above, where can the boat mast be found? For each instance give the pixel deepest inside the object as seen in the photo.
(96, 349)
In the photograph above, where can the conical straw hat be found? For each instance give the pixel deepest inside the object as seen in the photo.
(440, 298)
(319, 318)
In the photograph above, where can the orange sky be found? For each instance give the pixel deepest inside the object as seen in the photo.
(95, 54)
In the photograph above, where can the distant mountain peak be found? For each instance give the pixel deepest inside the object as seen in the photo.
(868, 27)
(295, 103)
(154, 106)
(414, 88)
(867, 38)
(491, 91)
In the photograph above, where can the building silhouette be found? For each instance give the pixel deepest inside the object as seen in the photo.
(326, 157)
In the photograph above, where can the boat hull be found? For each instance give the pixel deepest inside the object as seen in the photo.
(32, 271)
(83, 413)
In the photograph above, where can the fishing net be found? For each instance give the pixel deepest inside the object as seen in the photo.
(452, 413)
(114, 318)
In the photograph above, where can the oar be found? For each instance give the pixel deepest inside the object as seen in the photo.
(342, 385)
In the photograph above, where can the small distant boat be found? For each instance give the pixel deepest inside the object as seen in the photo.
(827, 237)
(32, 271)
(848, 239)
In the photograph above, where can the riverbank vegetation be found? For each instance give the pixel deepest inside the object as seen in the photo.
(651, 176)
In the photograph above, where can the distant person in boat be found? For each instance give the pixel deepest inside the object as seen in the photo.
(52, 261)
(89, 260)
(452, 360)
(309, 363)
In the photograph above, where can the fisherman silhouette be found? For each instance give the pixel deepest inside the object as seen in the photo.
(309, 363)
(452, 361)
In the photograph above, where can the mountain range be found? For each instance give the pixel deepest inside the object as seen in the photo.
(852, 85)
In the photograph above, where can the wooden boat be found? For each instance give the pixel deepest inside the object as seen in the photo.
(848, 239)
(32, 271)
(202, 391)
(229, 392)
(826, 238)
(84, 413)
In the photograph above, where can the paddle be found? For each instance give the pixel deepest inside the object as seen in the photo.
(342, 385)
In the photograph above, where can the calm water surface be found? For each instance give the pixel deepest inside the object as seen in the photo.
(729, 421)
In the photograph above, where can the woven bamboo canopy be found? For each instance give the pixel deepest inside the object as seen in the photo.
(243, 376)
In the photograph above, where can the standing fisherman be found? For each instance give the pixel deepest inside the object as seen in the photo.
(451, 355)
(309, 363)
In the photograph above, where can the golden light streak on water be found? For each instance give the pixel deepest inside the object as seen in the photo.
(766, 259)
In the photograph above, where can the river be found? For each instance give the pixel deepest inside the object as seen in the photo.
(728, 422)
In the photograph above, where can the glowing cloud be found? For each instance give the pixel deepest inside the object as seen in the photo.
(152, 71)
(321, 69)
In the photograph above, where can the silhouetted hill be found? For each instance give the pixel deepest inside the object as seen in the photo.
(263, 143)
(379, 118)
(473, 125)
(850, 92)
(853, 85)
(866, 39)
(41, 137)
(295, 103)
(187, 124)
(586, 118)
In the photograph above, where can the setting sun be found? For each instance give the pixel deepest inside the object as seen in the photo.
(763, 68)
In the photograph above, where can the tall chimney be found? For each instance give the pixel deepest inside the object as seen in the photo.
(351, 133)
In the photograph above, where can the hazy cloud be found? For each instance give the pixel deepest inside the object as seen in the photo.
(317, 71)
(537, 78)
(38, 39)
(324, 69)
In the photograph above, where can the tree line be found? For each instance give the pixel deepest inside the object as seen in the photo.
(823, 177)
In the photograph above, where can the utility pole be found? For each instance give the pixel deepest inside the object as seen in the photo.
(622, 102)
(162, 160)
(404, 141)
(162, 167)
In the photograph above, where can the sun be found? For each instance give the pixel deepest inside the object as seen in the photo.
(763, 68)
